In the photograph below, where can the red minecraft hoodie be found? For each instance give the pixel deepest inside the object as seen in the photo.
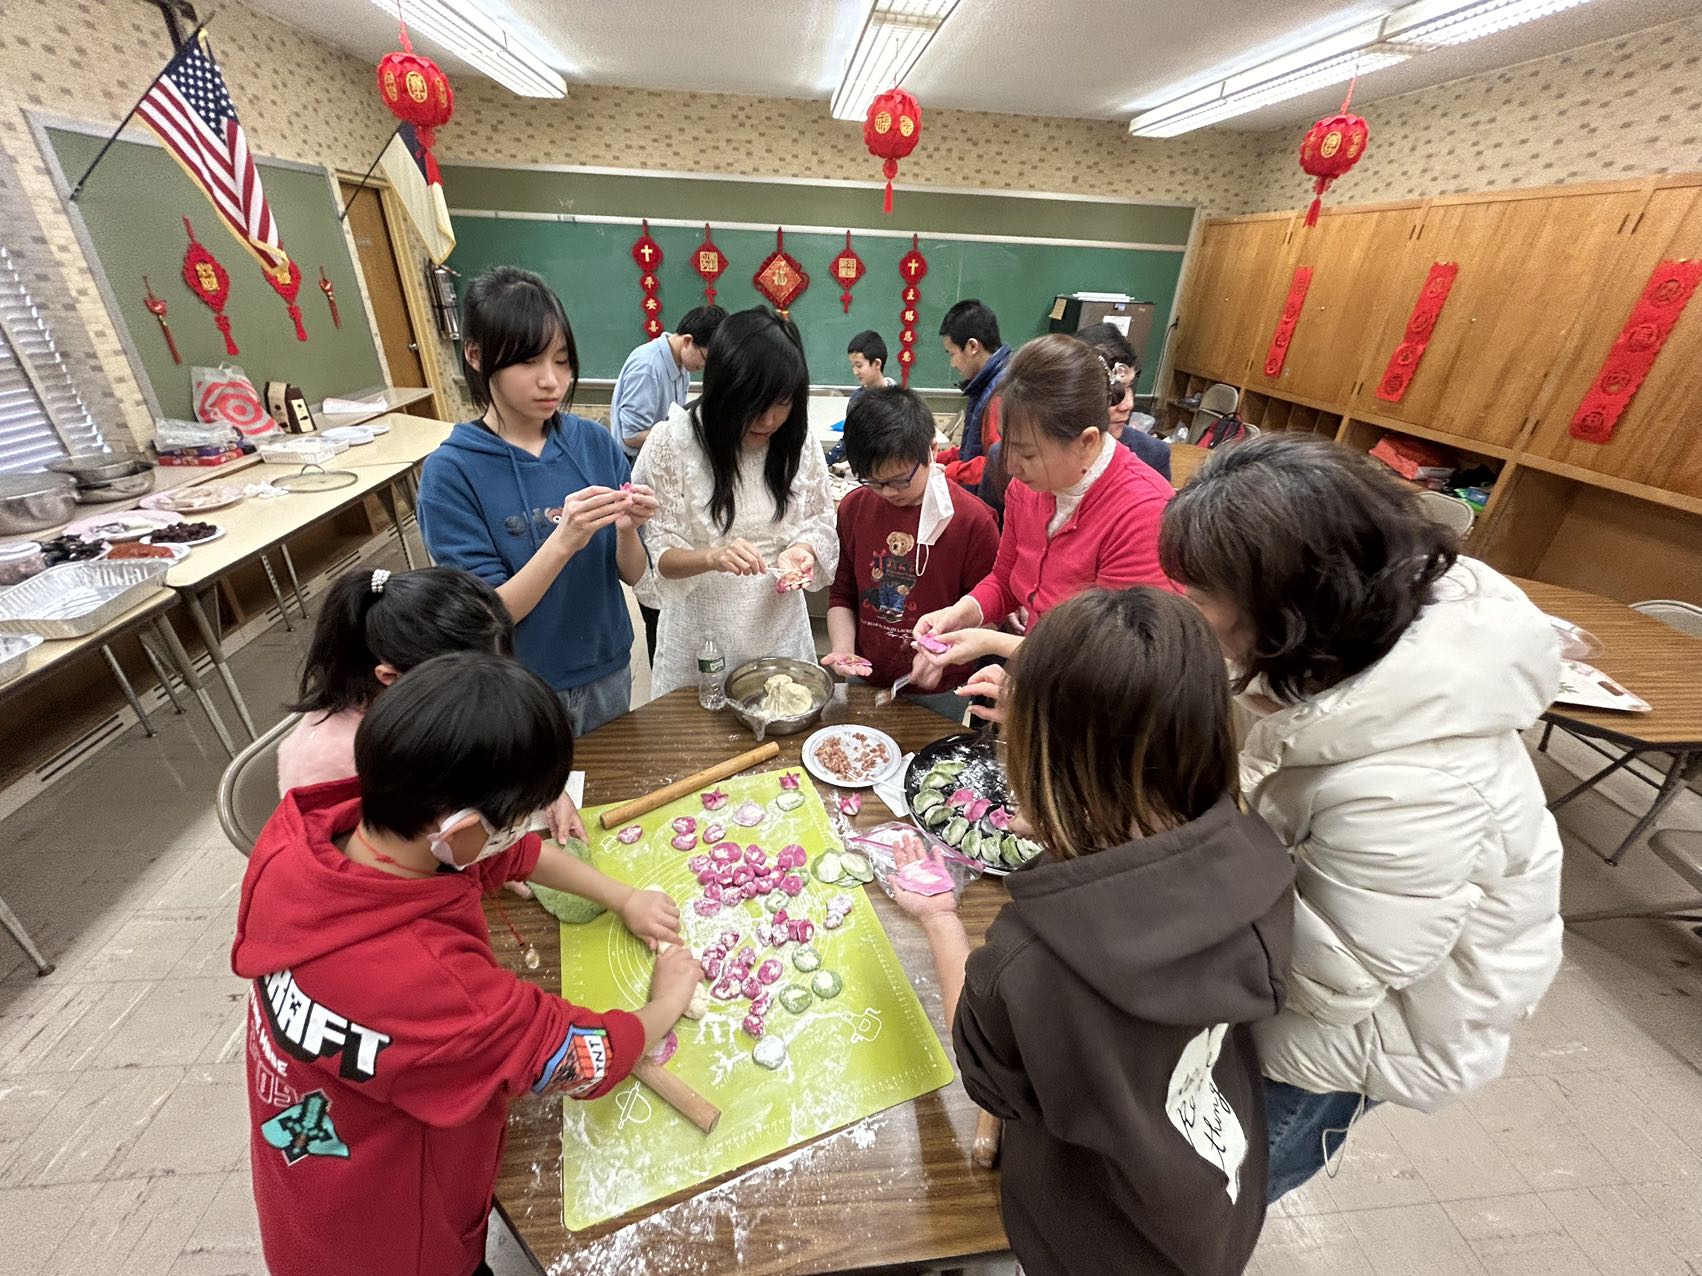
(384, 1046)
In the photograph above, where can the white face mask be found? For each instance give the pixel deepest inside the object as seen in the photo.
(496, 840)
(936, 508)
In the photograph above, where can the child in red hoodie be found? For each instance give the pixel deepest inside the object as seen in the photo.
(385, 1043)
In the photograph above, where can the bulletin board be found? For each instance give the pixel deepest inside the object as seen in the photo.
(133, 208)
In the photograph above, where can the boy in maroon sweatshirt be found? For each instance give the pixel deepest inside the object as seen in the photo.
(910, 540)
(384, 1041)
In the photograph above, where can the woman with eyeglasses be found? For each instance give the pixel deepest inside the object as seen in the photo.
(744, 518)
(910, 541)
(1081, 511)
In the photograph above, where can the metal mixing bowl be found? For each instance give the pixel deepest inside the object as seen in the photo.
(744, 692)
(101, 467)
(139, 482)
(30, 502)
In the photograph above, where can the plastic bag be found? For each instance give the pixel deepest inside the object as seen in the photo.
(878, 844)
(172, 434)
(225, 396)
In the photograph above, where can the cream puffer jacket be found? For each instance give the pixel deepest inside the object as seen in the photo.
(1427, 917)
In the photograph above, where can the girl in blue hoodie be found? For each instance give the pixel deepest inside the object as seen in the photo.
(538, 502)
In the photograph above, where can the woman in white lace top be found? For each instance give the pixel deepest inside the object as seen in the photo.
(745, 517)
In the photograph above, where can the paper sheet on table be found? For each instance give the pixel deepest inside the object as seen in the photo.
(343, 407)
(891, 790)
(1588, 687)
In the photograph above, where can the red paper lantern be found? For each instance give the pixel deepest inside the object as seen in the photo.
(417, 93)
(710, 263)
(210, 281)
(911, 268)
(1330, 148)
(847, 270)
(781, 278)
(891, 131)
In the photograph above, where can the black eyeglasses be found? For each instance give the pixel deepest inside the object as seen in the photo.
(892, 485)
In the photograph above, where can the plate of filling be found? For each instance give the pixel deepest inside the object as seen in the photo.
(143, 550)
(851, 757)
(185, 534)
(957, 790)
(195, 500)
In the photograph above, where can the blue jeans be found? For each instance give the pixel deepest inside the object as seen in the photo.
(604, 700)
(1305, 1131)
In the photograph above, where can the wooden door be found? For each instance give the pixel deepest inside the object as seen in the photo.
(384, 286)
(1234, 268)
(1530, 271)
(1354, 254)
(1656, 441)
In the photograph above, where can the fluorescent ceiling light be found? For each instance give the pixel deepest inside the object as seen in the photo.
(483, 43)
(1438, 23)
(1406, 32)
(893, 37)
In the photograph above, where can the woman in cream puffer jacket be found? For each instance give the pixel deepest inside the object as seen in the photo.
(1388, 682)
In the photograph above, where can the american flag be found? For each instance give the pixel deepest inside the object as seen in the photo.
(191, 111)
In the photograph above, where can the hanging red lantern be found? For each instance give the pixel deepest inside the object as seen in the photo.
(647, 253)
(911, 268)
(781, 278)
(210, 281)
(1330, 148)
(891, 131)
(847, 270)
(417, 93)
(286, 282)
(710, 263)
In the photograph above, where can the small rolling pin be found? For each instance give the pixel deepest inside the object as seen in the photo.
(989, 1131)
(629, 811)
(678, 1095)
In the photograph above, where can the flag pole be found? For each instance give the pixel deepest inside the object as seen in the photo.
(361, 185)
(78, 188)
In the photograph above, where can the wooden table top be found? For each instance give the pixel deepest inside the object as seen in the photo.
(1659, 663)
(910, 1196)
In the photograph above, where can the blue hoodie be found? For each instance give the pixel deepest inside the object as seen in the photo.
(486, 506)
(979, 391)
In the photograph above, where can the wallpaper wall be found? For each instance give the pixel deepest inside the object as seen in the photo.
(1621, 108)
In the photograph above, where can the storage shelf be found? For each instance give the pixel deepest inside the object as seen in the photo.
(1474, 446)
(1625, 487)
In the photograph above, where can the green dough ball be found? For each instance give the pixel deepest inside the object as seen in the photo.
(770, 1052)
(796, 998)
(774, 901)
(572, 909)
(826, 984)
(789, 801)
(807, 959)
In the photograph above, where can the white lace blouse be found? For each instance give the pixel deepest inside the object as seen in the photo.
(748, 618)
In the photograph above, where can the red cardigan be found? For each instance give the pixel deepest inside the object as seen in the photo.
(1111, 540)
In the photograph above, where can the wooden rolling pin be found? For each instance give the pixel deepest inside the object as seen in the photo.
(989, 1132)
(626, 812)
(678, 1095)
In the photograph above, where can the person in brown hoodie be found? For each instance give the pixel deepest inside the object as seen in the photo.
(1106, 1018)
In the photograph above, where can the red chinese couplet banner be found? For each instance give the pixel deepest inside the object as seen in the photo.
(1638, 346)
(1403, 363)
(1278, 353)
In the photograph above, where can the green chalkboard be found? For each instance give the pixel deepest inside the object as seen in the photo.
(590, 265)
(133, 206)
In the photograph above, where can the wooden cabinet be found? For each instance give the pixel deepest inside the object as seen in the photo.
(1231, 271)
(1530, 271)
(1354, 254)
(1658, 441)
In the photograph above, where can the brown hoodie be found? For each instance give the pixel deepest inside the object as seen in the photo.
(1106, 1021)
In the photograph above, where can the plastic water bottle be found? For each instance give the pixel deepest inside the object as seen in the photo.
(711, 668)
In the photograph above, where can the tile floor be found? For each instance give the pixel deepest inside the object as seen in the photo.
(122, 1130)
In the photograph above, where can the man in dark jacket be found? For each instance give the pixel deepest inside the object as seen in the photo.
(970, 333)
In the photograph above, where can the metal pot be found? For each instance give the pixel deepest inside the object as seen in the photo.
(139, 482)
(744, 693)
(30, 502)
(101, 467)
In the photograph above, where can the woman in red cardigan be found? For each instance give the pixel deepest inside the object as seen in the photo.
(1081, 510)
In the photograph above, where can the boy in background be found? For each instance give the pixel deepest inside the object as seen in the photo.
(658, 375)
(910, 540)
(385, 1042)
(970, 334)
(868, 365)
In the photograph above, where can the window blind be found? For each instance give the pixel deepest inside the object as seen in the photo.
(42, 417)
